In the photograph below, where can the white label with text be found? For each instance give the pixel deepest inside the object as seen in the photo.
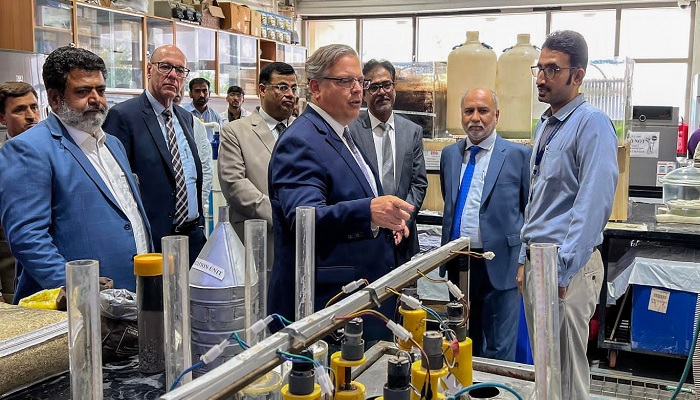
(209, 269)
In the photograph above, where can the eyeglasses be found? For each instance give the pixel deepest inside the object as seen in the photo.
(549, 72)
(165, 68)
(374, 88)
(283, 88)
(348, 82)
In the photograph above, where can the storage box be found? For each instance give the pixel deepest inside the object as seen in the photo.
(234, 17)
(662, 320)
(55, 17)
(255, 23)
(212, 15)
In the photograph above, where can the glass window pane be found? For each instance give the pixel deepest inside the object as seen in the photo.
(655, 32)
(237, 63)
(379, 39)
(659, 85)
(438, 35)
(322, 33)
(158, 33)
(53, 24)
(199, 47)
(597, 27)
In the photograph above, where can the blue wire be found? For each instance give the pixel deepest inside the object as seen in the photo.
(483, 385)
(241, 343)
(282, 319)
(199, 364)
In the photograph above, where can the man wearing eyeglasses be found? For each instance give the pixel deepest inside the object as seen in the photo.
(159, 140)
(394, 147)
(573, 178)
(235, 97)
(317, 163)
(246, 147)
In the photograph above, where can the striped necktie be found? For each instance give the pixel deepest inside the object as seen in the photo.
(180, 187)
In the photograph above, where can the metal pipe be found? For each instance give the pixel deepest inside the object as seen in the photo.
(176, 308)
(305, 261)
(84, 332)
(255, 275)
(243, 369)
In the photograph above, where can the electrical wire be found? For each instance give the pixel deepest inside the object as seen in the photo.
(431, 279)
(198, 364)
(234, 336)
(362, 313)
(485, 385)
(334, 298)
(296, 357)
(473, 254)
(688, 363)
(284, 321)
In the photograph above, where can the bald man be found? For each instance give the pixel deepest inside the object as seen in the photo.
(159, 140)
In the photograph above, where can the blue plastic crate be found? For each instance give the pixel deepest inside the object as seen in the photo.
(667, 333)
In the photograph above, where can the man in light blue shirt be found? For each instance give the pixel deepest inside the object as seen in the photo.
(199, 92)
(573, 178)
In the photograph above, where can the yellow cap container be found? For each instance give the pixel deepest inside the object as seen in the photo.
(148, 264)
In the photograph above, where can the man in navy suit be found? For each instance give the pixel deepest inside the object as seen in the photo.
(490, 175)
(394, 147)
(66, 190)
(159, 140)
(317, 163)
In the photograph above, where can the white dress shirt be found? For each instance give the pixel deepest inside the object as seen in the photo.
(378, 144)
(272, 123)
(114, 177)
(469, 225)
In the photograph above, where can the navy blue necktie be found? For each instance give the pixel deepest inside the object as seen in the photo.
(463, 192)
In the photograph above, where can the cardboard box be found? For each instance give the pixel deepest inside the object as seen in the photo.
(245, 13)
(233, 17)
(212, 15)
(255, 23)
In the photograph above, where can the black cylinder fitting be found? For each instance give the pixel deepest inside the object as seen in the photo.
(301, 377)
(397, 385)
(352, 348)
(432, 345)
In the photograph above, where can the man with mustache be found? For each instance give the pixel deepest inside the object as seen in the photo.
(317, 163)
(159, 140)
(19, 111)
(235, 96)
(574, 174)
(76, 197)
(484, 182)
(199, 92)
(394, 147)
(246, 148)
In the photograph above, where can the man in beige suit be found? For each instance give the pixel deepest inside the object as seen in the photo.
(246, 147)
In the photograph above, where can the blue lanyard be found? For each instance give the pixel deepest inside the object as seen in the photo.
(541, 149)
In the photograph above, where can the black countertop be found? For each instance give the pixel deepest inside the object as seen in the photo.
(642, 213)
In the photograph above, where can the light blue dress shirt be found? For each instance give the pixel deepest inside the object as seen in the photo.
(208, 115)
(571, 195)
(469, 225)
(188, 164)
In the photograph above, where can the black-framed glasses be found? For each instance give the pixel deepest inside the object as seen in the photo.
(549, 71)
(374, 87)
(348, 82)
(283, 88)
(165, 68)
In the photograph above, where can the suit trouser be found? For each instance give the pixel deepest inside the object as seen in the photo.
(493, 319)
(575, 313)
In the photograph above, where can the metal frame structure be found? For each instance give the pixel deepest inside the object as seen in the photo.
(243, 369)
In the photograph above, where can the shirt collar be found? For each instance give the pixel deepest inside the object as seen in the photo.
(80, 136)
(271, 122)
(374, 121)
(486, 144)
(335, 125)
(158, 108)
(565, 111)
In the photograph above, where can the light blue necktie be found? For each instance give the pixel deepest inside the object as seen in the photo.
(463, 192)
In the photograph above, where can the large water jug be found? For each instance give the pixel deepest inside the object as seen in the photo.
(469, 66)
(514, 86)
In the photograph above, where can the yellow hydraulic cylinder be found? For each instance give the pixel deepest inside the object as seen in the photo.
(418, 376)
(315, 395)
(345, 387)
(462, 364)
(414, 322)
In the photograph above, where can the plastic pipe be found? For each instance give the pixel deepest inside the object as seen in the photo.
(305, 261)
(84, 330)
(255, 294)
(545, 297)
(176, 308)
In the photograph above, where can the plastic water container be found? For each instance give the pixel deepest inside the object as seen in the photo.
(469, 66)
(515, 86)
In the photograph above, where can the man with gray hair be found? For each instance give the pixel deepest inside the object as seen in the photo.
(484, 182)
(317, 163)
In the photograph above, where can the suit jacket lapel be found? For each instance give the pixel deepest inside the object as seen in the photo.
(456, 170)
(58, 130)
(498, 157)
(402, 137)
(366, 139)
(149, 117)
(262, 131)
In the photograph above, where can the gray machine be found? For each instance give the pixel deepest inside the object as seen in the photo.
(653, 132)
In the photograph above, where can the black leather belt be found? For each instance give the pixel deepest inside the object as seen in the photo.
(187, 226)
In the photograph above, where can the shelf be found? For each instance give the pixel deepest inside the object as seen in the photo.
(52, 29)
(266, 60)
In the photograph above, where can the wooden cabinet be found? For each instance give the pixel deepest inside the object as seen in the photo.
(37, 26)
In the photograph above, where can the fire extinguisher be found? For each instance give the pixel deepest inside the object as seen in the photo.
(682, 143)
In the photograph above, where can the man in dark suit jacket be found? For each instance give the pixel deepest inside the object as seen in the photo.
(167, 166)
(316, 163)
(492, 208)
(379, 132)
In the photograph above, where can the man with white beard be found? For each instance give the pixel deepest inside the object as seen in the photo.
(66, 189)
(485, 183)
